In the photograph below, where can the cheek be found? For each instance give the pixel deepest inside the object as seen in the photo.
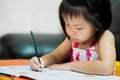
(83, 35)
(67, 31)
(70, 31)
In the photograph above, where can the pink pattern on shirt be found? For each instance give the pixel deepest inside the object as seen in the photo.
(71, 58)
(77, 58)
(88, 54)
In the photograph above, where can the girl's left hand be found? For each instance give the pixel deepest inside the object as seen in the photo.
(64, 66)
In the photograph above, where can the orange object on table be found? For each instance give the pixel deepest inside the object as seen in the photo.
(117, 72)
(3, 77)
(14, 62)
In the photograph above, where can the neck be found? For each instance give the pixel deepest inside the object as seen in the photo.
(87, 44)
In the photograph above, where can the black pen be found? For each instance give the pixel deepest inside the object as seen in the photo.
(35, 46)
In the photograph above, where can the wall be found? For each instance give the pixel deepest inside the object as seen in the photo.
(21, 16)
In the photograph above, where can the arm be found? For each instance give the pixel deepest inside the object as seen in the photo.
(104, 65)
(59, 54)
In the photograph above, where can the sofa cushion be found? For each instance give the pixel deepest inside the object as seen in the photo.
(21, 45)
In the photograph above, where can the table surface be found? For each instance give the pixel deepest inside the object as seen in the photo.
(15, 62)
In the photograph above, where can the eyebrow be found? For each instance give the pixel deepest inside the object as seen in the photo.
(75, 24)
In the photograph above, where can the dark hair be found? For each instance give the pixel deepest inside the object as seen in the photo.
(96, 12)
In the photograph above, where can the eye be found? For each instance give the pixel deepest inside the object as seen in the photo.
(79, 28)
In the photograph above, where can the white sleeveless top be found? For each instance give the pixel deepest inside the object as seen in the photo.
(84, 55)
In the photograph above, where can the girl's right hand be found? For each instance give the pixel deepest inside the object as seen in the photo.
(35, 65)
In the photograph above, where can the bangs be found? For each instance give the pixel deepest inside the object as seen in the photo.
(71, 11)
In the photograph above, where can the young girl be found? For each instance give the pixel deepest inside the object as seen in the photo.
(89, 42)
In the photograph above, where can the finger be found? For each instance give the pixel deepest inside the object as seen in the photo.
(35, 67)
(34, 64)
(42, 63)
(36, 61)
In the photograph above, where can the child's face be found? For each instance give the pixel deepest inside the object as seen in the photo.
(79, 29)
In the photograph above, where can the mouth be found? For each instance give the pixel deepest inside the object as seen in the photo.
(75, 39)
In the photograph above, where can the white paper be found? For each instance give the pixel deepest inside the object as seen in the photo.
(52, 74)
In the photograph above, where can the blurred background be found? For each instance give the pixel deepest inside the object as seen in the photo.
(21, 16)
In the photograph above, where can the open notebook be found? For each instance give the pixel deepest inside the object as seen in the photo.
(51, 74)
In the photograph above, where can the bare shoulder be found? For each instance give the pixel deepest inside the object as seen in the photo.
(107, 37)
(106, 44)
(108, 33)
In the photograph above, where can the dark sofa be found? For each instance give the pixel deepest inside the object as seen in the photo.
(20, 45)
